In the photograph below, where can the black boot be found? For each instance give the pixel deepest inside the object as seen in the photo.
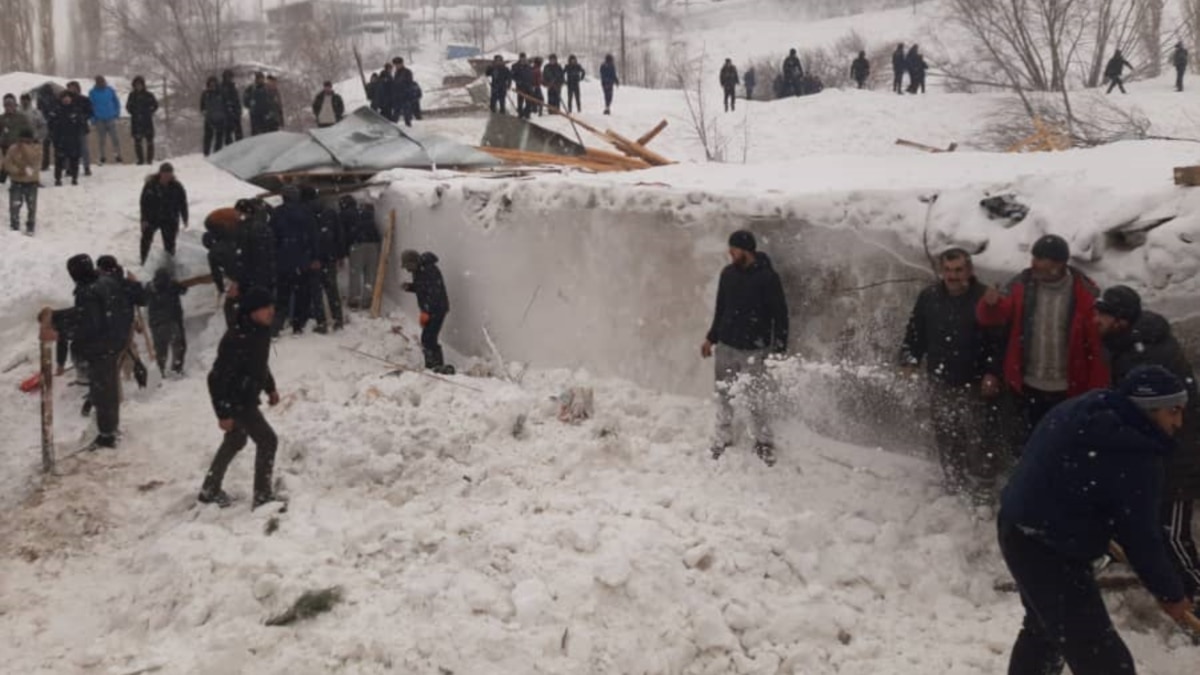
(218, 497)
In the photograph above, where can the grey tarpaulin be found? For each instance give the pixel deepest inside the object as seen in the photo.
(362, 141)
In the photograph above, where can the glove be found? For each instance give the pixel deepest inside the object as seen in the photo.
(424, 319)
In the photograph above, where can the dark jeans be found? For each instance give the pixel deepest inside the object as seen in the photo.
(214, 137)
(47, 153)
(1176, 519)
(916, 83)
(554, 97)
(1066, 621)
(749, 92)
(66, 163)
(970, 464)
(1179, 73)
(524, 105)
(898, 81)
(105, 393)
(573, 96)
(499, 102)
(1035, 404)
(325, 284)
(22, 193)
(230, 310)
(862, 84)
(249, 425)
(143, 148)
(233, 131)
(169, 337)
(608, 95)
(293, 299)
(1117, 82)
(429, 342)
(730, 99)
(169, 234)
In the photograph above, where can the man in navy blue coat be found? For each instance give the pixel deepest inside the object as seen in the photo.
(1091, 473)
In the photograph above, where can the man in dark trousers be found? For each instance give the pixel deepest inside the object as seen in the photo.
(363, 240)
(729, 83)
(860, 70)
(608, 81)
(97, 327)
(328, 107)
(295, 228)
(329, 249)
(1179, 59)
(240, 373)
(1134, 337)
(750, 324)
(233, 108)
(899, 67)
(1091, 474)
(554, 78)
(793, 74)
(164, 207)
(962, 363)
(135, 296)
(501, 81)
(1114, 72)
(915, 62)
(575, 74)
(258, 101)
(749, 81)
(1054, 350)
(141, 106)
(164, 309)
(522, 75)
(432, 300)
(403, 92)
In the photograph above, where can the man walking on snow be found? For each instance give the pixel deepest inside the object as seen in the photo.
(962, 362)
(164, 207)
(240, 373)
(1091, 474)
(1114, 72)
(749, 324)
(729, 83)
(23, 163)
(1054, 350)
(1179, 59)
(434, 303)
(1132, 338)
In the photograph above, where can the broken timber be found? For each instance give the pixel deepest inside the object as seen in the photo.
(1187, 176)
(927, 148)
(650, 135)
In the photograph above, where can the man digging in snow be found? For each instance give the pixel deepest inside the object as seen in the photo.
(1092, 473)
(434, 303)
(750, 323)
(240, 373)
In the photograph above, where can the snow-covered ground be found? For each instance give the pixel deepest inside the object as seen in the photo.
(471, 530)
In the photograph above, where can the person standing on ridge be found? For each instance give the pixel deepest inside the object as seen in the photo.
(553, 77)
(915, 62)
(793, 75)
(899, 67)
(749, 81)
(328, 108)
(501, 77)
(233, 108)
(729, 83)
(141, 106)
(1134, 337)
(23, 164)
(1179, 59)
(434, 303)
(608, 81)
(106, 109)
(212, 107)
(575, 74)
(750, 323)
(240, 374)
(860, 70)
(1091, 474)
(1054, 350)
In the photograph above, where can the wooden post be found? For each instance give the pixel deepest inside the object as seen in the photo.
(381, 272)
(47, 364)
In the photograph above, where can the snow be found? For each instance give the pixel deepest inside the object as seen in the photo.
(472, 531)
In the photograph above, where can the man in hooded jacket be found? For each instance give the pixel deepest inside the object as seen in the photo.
(433, 301)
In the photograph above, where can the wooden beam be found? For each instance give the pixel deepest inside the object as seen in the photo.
(650, 135)
(926, 148)
(1187, 176)
(635, 150)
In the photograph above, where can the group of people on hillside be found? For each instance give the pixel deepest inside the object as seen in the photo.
(222, 106)
(394, 93)
(910, 63)
(539, 83)
(1108, 403)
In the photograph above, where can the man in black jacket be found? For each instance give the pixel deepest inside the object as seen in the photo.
(97, 327)
(1179, 59)
(260, 104)
(554, 78)
(164, 207)
(574, 74)
(141, 106)
(1134, 337)
(501, 80)
(432, 300)
(1114, 72)
(328, 107)
(729, 82)
(793, 74)
(860, 70)
(963, 362)
(329, 247)
(164, 309)
(363, 241)
(522, 75)
(750, 323)
(233, 108)
(899, 67)
(295, 229)
(240, 373)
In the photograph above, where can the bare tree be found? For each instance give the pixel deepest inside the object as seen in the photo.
(688, 75)
(183, 40)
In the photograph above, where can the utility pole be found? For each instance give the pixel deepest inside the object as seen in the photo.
(624, 70)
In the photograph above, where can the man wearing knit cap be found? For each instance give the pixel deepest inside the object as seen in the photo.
(1090, 474)
(1135, 337)
(240, 373)
(749, 324)
(433, 302)
(1054, 350)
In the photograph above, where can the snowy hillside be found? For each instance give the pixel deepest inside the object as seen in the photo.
(473, 532)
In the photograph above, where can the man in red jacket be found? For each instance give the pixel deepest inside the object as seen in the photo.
(1054, 350)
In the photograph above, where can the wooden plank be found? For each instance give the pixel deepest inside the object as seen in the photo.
(645, 138)
(920, 146)
(196, 281)
(1187, 176)
(47, 387)
(381, 271)
(538, 158)
(633, 149)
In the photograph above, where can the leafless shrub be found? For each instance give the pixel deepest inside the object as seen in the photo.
(688, 77)
(1094, 120)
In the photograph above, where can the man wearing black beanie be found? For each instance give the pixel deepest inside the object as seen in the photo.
(749, 324)
(1054, 350)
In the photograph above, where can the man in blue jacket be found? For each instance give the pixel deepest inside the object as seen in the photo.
(750, 323)
(1091, 473)
(106, 108)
